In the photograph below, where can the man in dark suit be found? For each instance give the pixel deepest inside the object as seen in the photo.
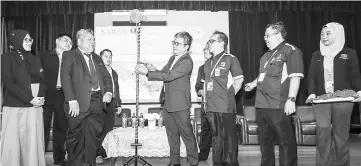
(54, 97)
(205, 142)
(87, 85)
(176, 79)
(113, 106)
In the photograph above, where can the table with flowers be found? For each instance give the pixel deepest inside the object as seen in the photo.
(153, 139)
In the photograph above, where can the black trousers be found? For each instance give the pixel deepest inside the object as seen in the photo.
(275, 124)
(83, 137)
(224, 138)
(205, 142)
(178, 124)
(108, 125)
(60, 125)
(332, 143)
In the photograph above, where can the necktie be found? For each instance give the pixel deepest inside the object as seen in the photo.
(93, 75)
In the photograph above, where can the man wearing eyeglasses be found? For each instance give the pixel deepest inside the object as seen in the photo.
(54, 98)
(176, 81)
(281, 69)
(87, 85)
(223, 79)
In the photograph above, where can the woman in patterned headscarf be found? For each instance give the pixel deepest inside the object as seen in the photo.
(333, 67)
(22, 126)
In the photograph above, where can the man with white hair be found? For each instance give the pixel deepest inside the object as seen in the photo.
(87, 85)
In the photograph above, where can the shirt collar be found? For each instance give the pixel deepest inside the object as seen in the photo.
(217, 56)
(279, 46)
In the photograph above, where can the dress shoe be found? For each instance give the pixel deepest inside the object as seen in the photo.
(62, 163)
(173, 165)
(99, 160)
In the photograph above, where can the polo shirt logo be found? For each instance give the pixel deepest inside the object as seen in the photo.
(279, 57)
(344, 56)
(223, 64)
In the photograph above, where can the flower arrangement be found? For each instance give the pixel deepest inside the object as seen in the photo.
(152, 116)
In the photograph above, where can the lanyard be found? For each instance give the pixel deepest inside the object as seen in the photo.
(215, 65)
(270, 59)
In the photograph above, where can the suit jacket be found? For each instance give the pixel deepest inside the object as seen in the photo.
(346, 72)
(50, 63)
(17, 80)
(176, 82)
(75, 78)
(200, 77)
(116, 88)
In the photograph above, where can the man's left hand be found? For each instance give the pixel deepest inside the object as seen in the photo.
(141, 69)
(290, 107)
(119, 110)
(238, 117)
(107, 97)
(358, 99)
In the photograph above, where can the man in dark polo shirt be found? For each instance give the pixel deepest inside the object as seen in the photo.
(281, 69)
(205, 142)
(223, 78)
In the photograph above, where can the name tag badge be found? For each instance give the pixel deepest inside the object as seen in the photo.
(261, 77)
(329, 84)
(217, 72)
(210, 86)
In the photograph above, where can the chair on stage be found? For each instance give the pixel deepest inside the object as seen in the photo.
(155, 110)
(118, 121)
(305, 125)
(249, 127)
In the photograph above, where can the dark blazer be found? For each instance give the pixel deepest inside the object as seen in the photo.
(50, 63)
(75, 78)
(176, 82)
(346, 72)
(116, 87)
(200, 76)
(16, 77)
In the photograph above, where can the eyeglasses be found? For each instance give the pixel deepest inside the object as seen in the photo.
(211, 41)
(28, 40)
(267, 36)
(174, 43)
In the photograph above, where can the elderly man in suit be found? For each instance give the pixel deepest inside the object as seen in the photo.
(54, 97)
(176, 79)
(87, 85)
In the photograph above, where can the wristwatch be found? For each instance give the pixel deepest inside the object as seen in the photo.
(293, 99)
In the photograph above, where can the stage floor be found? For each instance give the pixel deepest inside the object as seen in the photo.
(250, 155)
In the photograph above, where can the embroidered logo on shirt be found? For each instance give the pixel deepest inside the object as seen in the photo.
(344, 56)
(223, 64)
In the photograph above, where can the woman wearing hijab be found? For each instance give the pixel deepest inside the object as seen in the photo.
(22, 126)
(333, 67)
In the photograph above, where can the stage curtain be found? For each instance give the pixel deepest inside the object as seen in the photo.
(21, 8)
(45, 28)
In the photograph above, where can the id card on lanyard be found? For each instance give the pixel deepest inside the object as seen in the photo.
(217, 73)
(261, 75)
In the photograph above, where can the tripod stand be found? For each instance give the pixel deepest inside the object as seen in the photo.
(136, 143)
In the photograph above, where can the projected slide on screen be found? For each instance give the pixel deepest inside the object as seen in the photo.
(156, 48)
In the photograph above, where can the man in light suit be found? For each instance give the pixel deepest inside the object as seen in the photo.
(176, 79)
(87, 85)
